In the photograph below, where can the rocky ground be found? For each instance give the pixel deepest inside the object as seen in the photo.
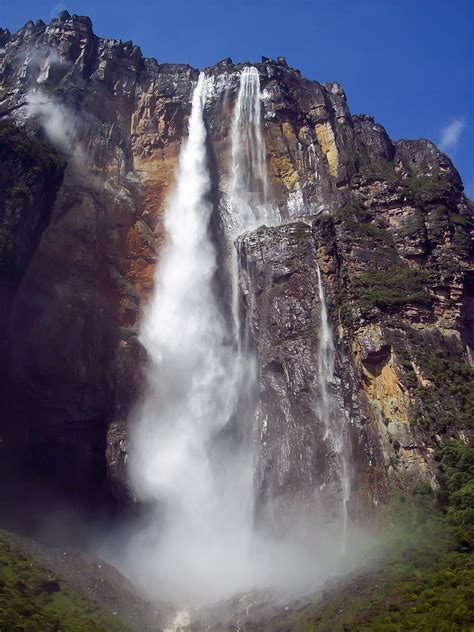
(70, 585)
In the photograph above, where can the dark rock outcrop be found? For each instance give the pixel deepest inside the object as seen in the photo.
(31, 173)
(279, 287)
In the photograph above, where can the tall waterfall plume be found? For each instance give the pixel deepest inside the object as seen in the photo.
(201, 514)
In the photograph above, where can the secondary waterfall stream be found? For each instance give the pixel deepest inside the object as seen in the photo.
(248, 187)
(247, 198)
(328, 412)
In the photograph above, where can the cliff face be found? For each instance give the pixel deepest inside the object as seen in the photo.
(74, 356)
(387, 223)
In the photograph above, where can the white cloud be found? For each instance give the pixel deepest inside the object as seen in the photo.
(451, 133)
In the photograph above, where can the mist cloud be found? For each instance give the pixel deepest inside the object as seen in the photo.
(60, 125)
(451, 134)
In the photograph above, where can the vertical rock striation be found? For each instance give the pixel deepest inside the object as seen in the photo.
(297, 471)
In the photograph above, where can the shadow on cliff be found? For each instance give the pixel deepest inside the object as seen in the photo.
(59, 334)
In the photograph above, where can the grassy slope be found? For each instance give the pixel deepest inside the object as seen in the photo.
(426, 580)
(418, 588)
(33, 600)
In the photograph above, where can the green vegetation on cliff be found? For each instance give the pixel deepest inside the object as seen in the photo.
(381, 170)
(34, 155)
(392, 288)
(427, 189)
(388, 282)
(359, 222)
(441, 392)
(33, 600)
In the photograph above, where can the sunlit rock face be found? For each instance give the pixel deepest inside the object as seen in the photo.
(387, 223)
(399, 261)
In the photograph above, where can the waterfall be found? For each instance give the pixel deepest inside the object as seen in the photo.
(247, 196)
(191, 460)
(202, 508)
(248, 188)
(248, 203)
(325, 356)
(328, 411)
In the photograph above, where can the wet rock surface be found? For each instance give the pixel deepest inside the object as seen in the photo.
(279, 286)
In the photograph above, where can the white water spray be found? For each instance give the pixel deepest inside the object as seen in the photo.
(327, 409)
(183, 333)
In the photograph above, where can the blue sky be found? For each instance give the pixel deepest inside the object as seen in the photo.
(409, 63)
